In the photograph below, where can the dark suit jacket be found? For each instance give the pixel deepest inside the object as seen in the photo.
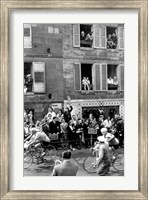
(54, 127)
(66, 168)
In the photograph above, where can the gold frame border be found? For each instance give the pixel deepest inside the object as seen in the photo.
(142, 6)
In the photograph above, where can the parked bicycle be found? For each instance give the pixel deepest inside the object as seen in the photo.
(33, 154)
(90, 163)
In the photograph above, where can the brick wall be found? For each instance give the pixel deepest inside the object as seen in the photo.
(43, 39)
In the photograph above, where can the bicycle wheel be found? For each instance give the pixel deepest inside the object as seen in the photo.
(118, 163)
(49, 158)
(28, 159)
(89, 164)
(51, 151)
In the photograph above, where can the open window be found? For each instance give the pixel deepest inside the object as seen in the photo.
(34, 77)
(86, 35)
(112, 77)
(28, 78)
(83, 77)
(112, 40)
(27, 36)
(86, 77)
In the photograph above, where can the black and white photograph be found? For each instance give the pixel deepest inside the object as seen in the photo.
(73, 99)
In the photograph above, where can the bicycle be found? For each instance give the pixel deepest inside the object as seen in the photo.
(90, 164)
(33, 153)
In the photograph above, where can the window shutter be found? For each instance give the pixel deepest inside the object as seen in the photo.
(77, 77)
(98, 76)
(76, 35)
(121, 77)
(104, 76)
(96, 36)
(103, 36)
(39, 77)
(121, 37)
(27, 36)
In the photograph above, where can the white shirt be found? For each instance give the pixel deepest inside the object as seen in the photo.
(110, 81)
(107, 123)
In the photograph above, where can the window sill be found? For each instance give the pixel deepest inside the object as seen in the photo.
(87, 92)
(86, 48)
(29, 93)
(113, 50)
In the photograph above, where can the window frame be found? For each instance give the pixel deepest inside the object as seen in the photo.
(33, 76)
(28, 39)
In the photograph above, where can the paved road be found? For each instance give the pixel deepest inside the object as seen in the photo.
(78, 156)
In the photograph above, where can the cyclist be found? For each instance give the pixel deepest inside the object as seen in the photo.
(40, 140)
(113, 142)
(103, 159)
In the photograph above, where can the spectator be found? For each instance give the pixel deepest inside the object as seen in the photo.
(82, 37)
(67, 167)
(71, 133)
(114, 39)
(115, 81)
(67, 113)
(54, 126)
(89, 37)
(109, 41)
(85, 83)
(49, 118)
(86, 135)
(51, 112)
(60, 115)
(31, 117)
(110, 80)
(29, 83)
(74, 120)
(107, 123)
(45, 126)
(63, 128)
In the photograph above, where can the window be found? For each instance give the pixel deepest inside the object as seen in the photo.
(28, 80)
(98, 77)
(51, 29)
(27, 36)
(112, 78)
(98, 36)
(86, 77)
(83, 77)
(121, 37)
(86, 35)
(111, 37)
(34, 77)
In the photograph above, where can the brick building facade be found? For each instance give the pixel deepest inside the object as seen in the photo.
(58, 57)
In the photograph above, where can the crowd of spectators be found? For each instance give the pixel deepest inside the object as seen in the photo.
(67, 129)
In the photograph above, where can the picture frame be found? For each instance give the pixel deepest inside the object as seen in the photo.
(142, 6)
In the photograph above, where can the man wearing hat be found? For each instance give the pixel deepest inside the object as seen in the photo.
(29, 82)
(103, 156)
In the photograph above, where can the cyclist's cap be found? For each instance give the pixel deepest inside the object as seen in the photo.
(34, 130)
(101, 139)
(103, 130)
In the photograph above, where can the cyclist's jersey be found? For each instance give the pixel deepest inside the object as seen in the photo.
(41, 136)
(97, 147)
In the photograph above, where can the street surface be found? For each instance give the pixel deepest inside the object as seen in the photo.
(77, 156)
